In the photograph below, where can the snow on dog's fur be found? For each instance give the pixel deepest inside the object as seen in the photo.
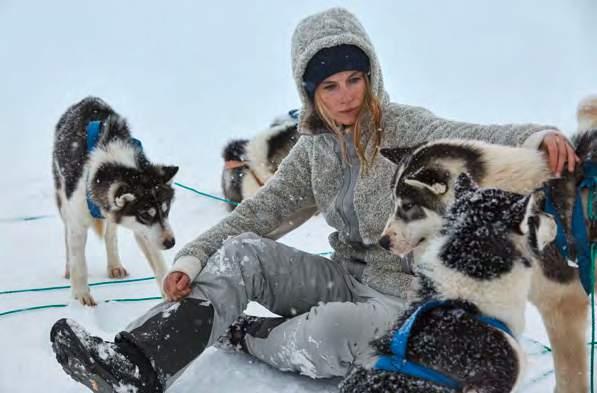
(480, 264)
(423, 188)
(128, 189)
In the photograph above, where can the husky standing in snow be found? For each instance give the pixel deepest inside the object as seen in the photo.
(103, 179)
(473, 282)
(423, 188)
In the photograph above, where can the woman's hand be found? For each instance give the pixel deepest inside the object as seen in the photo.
(559, 152)
(177, 285)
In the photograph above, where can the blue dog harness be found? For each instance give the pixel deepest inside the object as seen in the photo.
(93, 134)
(94, 129)
(579, 229)
(398, 361)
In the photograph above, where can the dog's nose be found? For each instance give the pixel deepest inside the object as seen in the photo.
(169, 243)
(385, 242)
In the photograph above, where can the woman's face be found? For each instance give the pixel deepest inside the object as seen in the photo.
(342, 94)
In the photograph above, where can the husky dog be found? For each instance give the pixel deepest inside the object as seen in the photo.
(248, 164)
(116, 179)
(423, 188)
(480, 265)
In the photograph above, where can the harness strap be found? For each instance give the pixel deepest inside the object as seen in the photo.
(234, 164)
(398, 361)
(93, 134)
(578, 229)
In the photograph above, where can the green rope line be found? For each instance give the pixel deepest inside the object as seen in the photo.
(68, 286)
(48, 306)
(536, 380)
(25, 218)
(545, 349)
(206, 194)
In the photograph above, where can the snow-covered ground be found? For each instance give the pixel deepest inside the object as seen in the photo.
(191, 75)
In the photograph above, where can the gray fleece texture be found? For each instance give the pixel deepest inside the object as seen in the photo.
(311, 176)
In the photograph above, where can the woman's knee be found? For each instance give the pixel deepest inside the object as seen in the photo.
(339, 324)
(238, 254)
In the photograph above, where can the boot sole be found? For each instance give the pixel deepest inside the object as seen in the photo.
(78, 363)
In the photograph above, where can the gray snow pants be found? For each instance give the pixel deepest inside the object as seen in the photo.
(332, 317)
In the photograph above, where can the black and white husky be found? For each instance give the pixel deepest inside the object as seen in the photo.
(112, 179)
(478, 269)
(249, 164)
(424, 188)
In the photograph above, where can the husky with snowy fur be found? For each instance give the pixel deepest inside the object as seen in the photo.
(479, 265)
(116, 176)
(249, 164)
(424, 188)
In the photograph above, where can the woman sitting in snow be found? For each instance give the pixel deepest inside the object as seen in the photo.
(330, 309)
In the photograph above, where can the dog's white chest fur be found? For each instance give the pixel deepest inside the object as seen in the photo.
(503, 298)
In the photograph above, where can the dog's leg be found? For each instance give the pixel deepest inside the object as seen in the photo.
(563, 308)
(77, 237)
(115, 268)
(67, 264)
(155, 259)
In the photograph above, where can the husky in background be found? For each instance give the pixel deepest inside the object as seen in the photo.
(249, 164)
(424, 187)
(480, 266)
(114, 181)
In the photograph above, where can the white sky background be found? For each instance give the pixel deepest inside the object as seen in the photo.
(208, 71)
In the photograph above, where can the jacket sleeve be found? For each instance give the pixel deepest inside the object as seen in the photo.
(283, 196)
(420, 125)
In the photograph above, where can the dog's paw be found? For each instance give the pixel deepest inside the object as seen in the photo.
(117, 272)
(85, 298)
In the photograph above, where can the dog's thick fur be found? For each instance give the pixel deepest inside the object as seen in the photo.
(480, 264)
(249, 164)
(128, 189)
(423, 188)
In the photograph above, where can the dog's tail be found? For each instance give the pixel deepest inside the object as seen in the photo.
(585, 140)
(98, 227)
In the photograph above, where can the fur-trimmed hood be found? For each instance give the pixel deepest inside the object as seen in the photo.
(329, 28)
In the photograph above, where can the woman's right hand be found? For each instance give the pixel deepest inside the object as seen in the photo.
(177, 285)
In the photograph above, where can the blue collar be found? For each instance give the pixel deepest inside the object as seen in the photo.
(398, 362)
(579, 229)
(93, 134)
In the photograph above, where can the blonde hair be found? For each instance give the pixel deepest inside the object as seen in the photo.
(368, 122)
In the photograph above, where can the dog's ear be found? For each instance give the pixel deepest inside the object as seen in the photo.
(119, 195)
(430, 179)
(464, 183)
(540, 226)
(168, 173)
(121, 200)
(396, 154)
(531, 205)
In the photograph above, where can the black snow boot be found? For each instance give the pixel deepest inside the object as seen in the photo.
(102, 366)
(259, 327)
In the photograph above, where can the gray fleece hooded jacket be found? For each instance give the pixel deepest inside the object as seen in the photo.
(310, 178)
